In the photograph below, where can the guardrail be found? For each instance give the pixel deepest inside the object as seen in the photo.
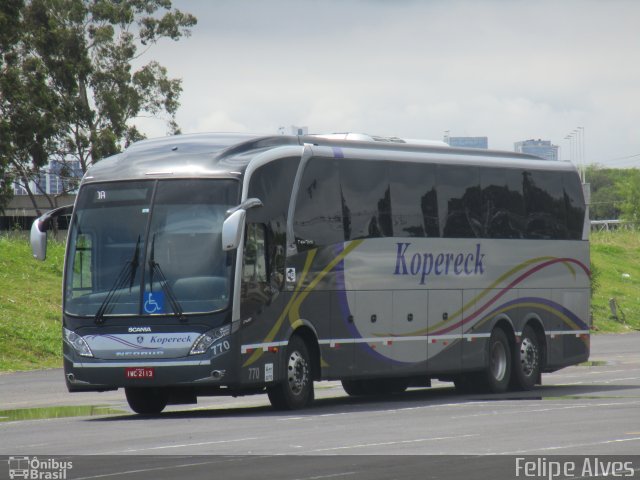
(607, 225)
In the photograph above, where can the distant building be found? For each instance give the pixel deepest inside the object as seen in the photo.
(293, 130)
(60, 180)
(540, 148)
(54, 179)
(468, 142)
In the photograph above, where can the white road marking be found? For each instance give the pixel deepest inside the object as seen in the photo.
(562, 447)
(401, 442)
(182, 445)
(546, 409)
(143, 470)
(333, 475)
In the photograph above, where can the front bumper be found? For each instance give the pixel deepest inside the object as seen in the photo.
(97, 375)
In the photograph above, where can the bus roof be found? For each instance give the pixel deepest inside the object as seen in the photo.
(228, 154)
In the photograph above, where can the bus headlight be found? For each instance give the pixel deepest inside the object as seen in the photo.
(77, 343)
(204, 341)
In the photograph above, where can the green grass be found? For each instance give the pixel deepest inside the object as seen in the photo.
(30, 306)
(30, 296)
(615, 259)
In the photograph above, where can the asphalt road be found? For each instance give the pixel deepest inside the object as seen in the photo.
(583, 410)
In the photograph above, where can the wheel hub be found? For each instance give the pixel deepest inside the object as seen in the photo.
(297, 373)
(528, 356)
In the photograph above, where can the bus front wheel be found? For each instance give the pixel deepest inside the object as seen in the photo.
(147, 401)
(295, 390)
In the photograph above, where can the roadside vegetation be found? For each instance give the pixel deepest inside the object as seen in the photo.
(30, 296)
(30, 305)
(615, 264)
(615, 193)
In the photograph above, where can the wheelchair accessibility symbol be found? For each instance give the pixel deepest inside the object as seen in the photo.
(154, 302)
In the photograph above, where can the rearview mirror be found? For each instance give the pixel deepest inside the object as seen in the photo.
(234, 224)
(39, 228)
(38, 240)
(232, 230)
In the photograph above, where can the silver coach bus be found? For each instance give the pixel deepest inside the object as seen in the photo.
(221, 264)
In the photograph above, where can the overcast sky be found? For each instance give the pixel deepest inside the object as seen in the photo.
(509, 70)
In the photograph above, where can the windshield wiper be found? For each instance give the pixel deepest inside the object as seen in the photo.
(126, 275)
(164, 284)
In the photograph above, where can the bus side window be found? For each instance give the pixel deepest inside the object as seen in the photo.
(321, 217)
(254, 267)
(545, 206)
(574, 204)
(272, 184)
(459, 201)
(414, 202)
(365, 195)
(503, 213)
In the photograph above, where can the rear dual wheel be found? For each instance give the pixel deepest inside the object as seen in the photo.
(498, 370)
(526, 361)
(518, 369)
(495, 376)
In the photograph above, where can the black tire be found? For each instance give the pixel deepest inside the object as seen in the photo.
(147, 401)
(497, 373)
(527, 360)
(295, 390)
(386, 386)
(354, 388)
(375, 386)
(467, 382)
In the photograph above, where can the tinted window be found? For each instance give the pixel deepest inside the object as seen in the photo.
(318, 215)
(574, 204)
(544, 205)
(503, 212)
(272, 183)
(459, 201)
(366, 199)
(254, 267)
(413, 199)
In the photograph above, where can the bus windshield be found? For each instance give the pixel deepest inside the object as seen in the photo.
(149, 248)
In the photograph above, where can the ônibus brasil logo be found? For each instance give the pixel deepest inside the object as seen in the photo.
(38, 469)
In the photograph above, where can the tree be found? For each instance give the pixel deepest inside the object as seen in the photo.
(605, 195)
(20, 85)
(629, 188)
(68, 89)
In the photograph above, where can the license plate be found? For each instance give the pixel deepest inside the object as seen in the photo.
(138, 373)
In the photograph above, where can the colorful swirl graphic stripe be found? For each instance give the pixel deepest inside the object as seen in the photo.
(546, 262)
(564, 314)
(299, 295)
(506, 289)
(276, 327)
